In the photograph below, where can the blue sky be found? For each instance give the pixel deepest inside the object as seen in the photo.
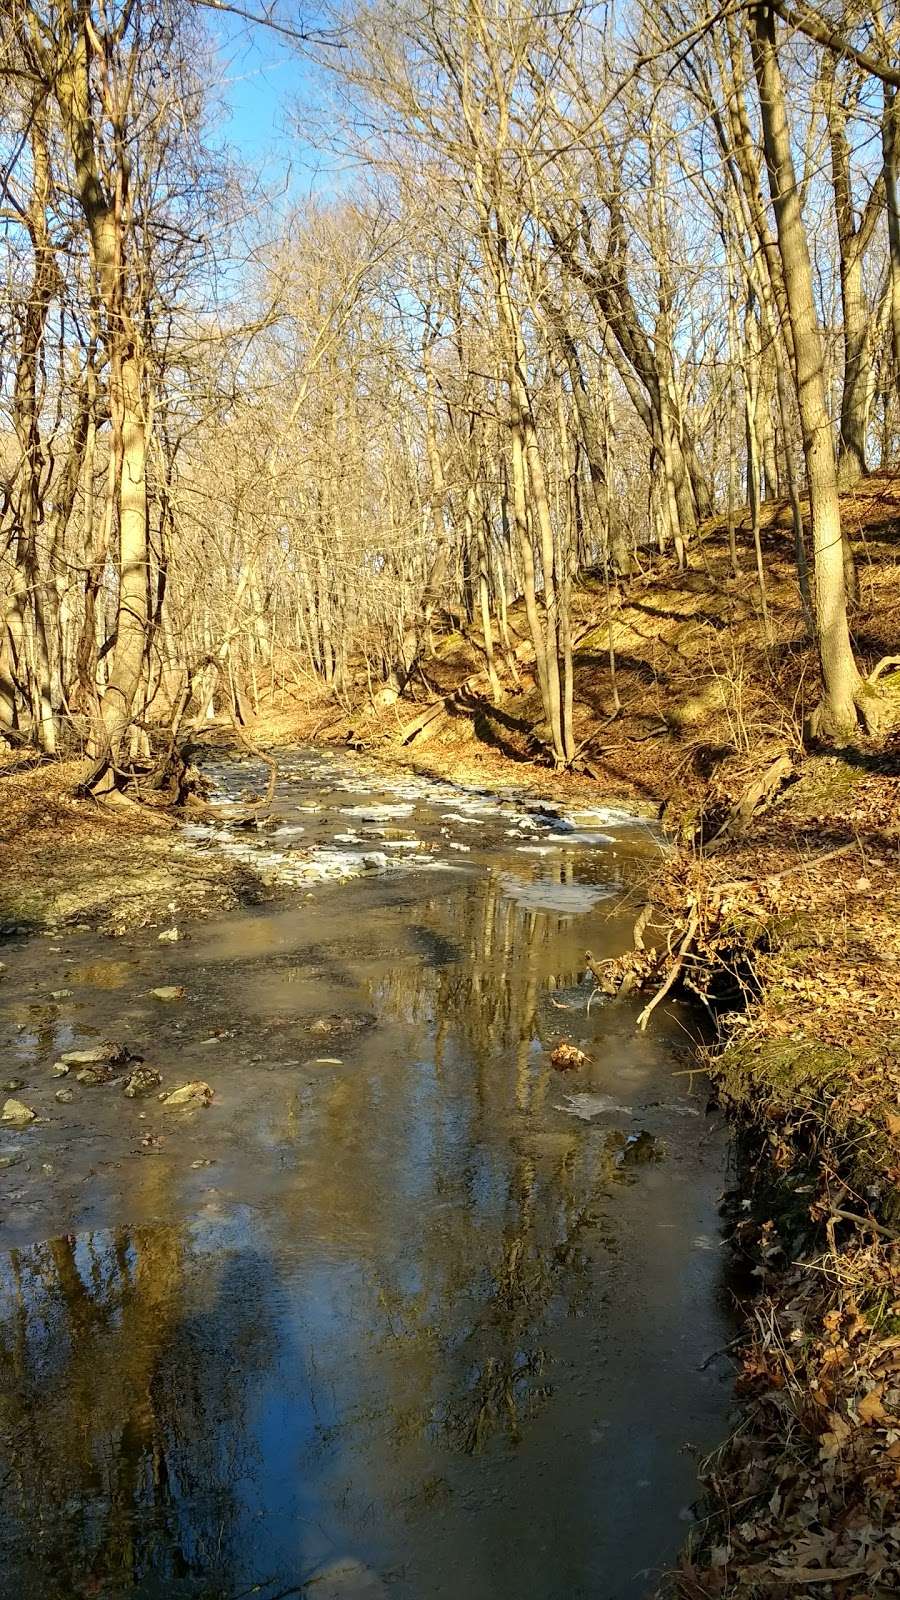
(264, 79)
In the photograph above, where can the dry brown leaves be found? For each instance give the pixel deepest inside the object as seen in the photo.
(806, 1496)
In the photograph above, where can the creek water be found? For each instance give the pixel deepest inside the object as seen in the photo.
(406, 1310)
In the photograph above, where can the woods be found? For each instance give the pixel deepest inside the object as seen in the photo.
(590, 281)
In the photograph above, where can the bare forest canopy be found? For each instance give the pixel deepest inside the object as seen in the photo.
(593, 276)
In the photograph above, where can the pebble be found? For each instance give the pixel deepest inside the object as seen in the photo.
(17, 1112)
(12, 1084)
(106, 1052)
(66, 1096)
(197, 1093)
(169, 991)
(61, 994)
(142, 1081)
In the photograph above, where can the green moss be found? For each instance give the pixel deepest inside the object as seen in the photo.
(784, 1072)
(824, 785)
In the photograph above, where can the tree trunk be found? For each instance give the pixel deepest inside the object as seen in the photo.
(844, 687)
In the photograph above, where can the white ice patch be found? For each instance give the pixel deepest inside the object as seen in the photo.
(588, 1106)
(567, 898)
(377, 813)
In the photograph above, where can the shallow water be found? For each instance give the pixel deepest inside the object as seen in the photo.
(404, 1295)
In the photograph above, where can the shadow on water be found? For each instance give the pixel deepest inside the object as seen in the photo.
(405, 1294)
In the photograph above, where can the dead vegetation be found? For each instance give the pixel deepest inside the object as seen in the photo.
(110, 866)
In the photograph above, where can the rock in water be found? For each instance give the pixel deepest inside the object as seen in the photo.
(169, 936)
(346, 1579)
(341, 1027)
(142, 1081)
(190, 1094)
(107, 1052)
(12, 1084)
(169, 991)
(16, 1112)
(96, 1072)
(65, 1096)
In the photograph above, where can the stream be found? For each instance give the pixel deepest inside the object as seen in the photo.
(406, 1311)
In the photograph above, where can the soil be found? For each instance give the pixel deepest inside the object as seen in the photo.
(110, 867)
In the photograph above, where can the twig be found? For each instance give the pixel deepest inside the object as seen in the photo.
(684, 947)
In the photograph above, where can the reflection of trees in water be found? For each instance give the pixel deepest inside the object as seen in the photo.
(486, 959)
(489, 1208)
(445, 1227)
(123, 1409)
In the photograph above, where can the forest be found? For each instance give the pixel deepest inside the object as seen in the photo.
(509, 479)
(591, 279)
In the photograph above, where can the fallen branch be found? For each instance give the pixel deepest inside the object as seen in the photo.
(674, 970)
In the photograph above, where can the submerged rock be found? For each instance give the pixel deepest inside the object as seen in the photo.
(107, 1052)
(16, 1112)
(12, 1084)
(144, 1080)
(197, 1093)
(169, 991)
(66, 1096)
(346, 1579)
(96, 1072)
(60, 994)
(59, 1069)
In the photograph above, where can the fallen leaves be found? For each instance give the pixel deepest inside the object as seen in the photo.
(568, 1058)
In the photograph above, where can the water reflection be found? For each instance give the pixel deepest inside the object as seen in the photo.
(395, 1304)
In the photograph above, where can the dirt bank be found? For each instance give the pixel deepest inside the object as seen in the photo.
(113, 868)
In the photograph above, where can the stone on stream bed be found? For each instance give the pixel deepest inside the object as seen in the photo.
(341, 1027)
(169, 991)
(144, 1080)
(65, 1096)
(105, 1053)
(12, 1084)
(346, 1579)
(197, 1093)
(96, 1072)
(16, 1112)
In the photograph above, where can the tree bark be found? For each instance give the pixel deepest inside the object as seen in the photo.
(844, 687)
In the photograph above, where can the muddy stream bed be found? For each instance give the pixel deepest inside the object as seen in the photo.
(405, 1311)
